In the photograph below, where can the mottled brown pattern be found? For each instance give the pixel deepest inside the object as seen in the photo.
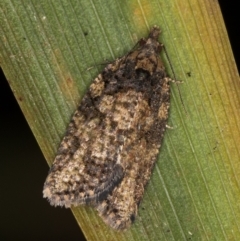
(112, 142)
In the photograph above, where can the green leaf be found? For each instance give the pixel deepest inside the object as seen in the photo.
(46, 50)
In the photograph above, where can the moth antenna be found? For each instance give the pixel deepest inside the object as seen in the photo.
(179, 92)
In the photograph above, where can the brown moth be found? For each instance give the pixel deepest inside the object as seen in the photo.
(112, 142)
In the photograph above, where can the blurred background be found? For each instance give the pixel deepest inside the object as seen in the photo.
(24, 213)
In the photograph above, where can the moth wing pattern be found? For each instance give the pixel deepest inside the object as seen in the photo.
(85, 168)
(112, 142)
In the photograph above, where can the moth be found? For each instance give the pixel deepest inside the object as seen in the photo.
(112, 142)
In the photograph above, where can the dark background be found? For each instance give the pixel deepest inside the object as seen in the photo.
(24, 214)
